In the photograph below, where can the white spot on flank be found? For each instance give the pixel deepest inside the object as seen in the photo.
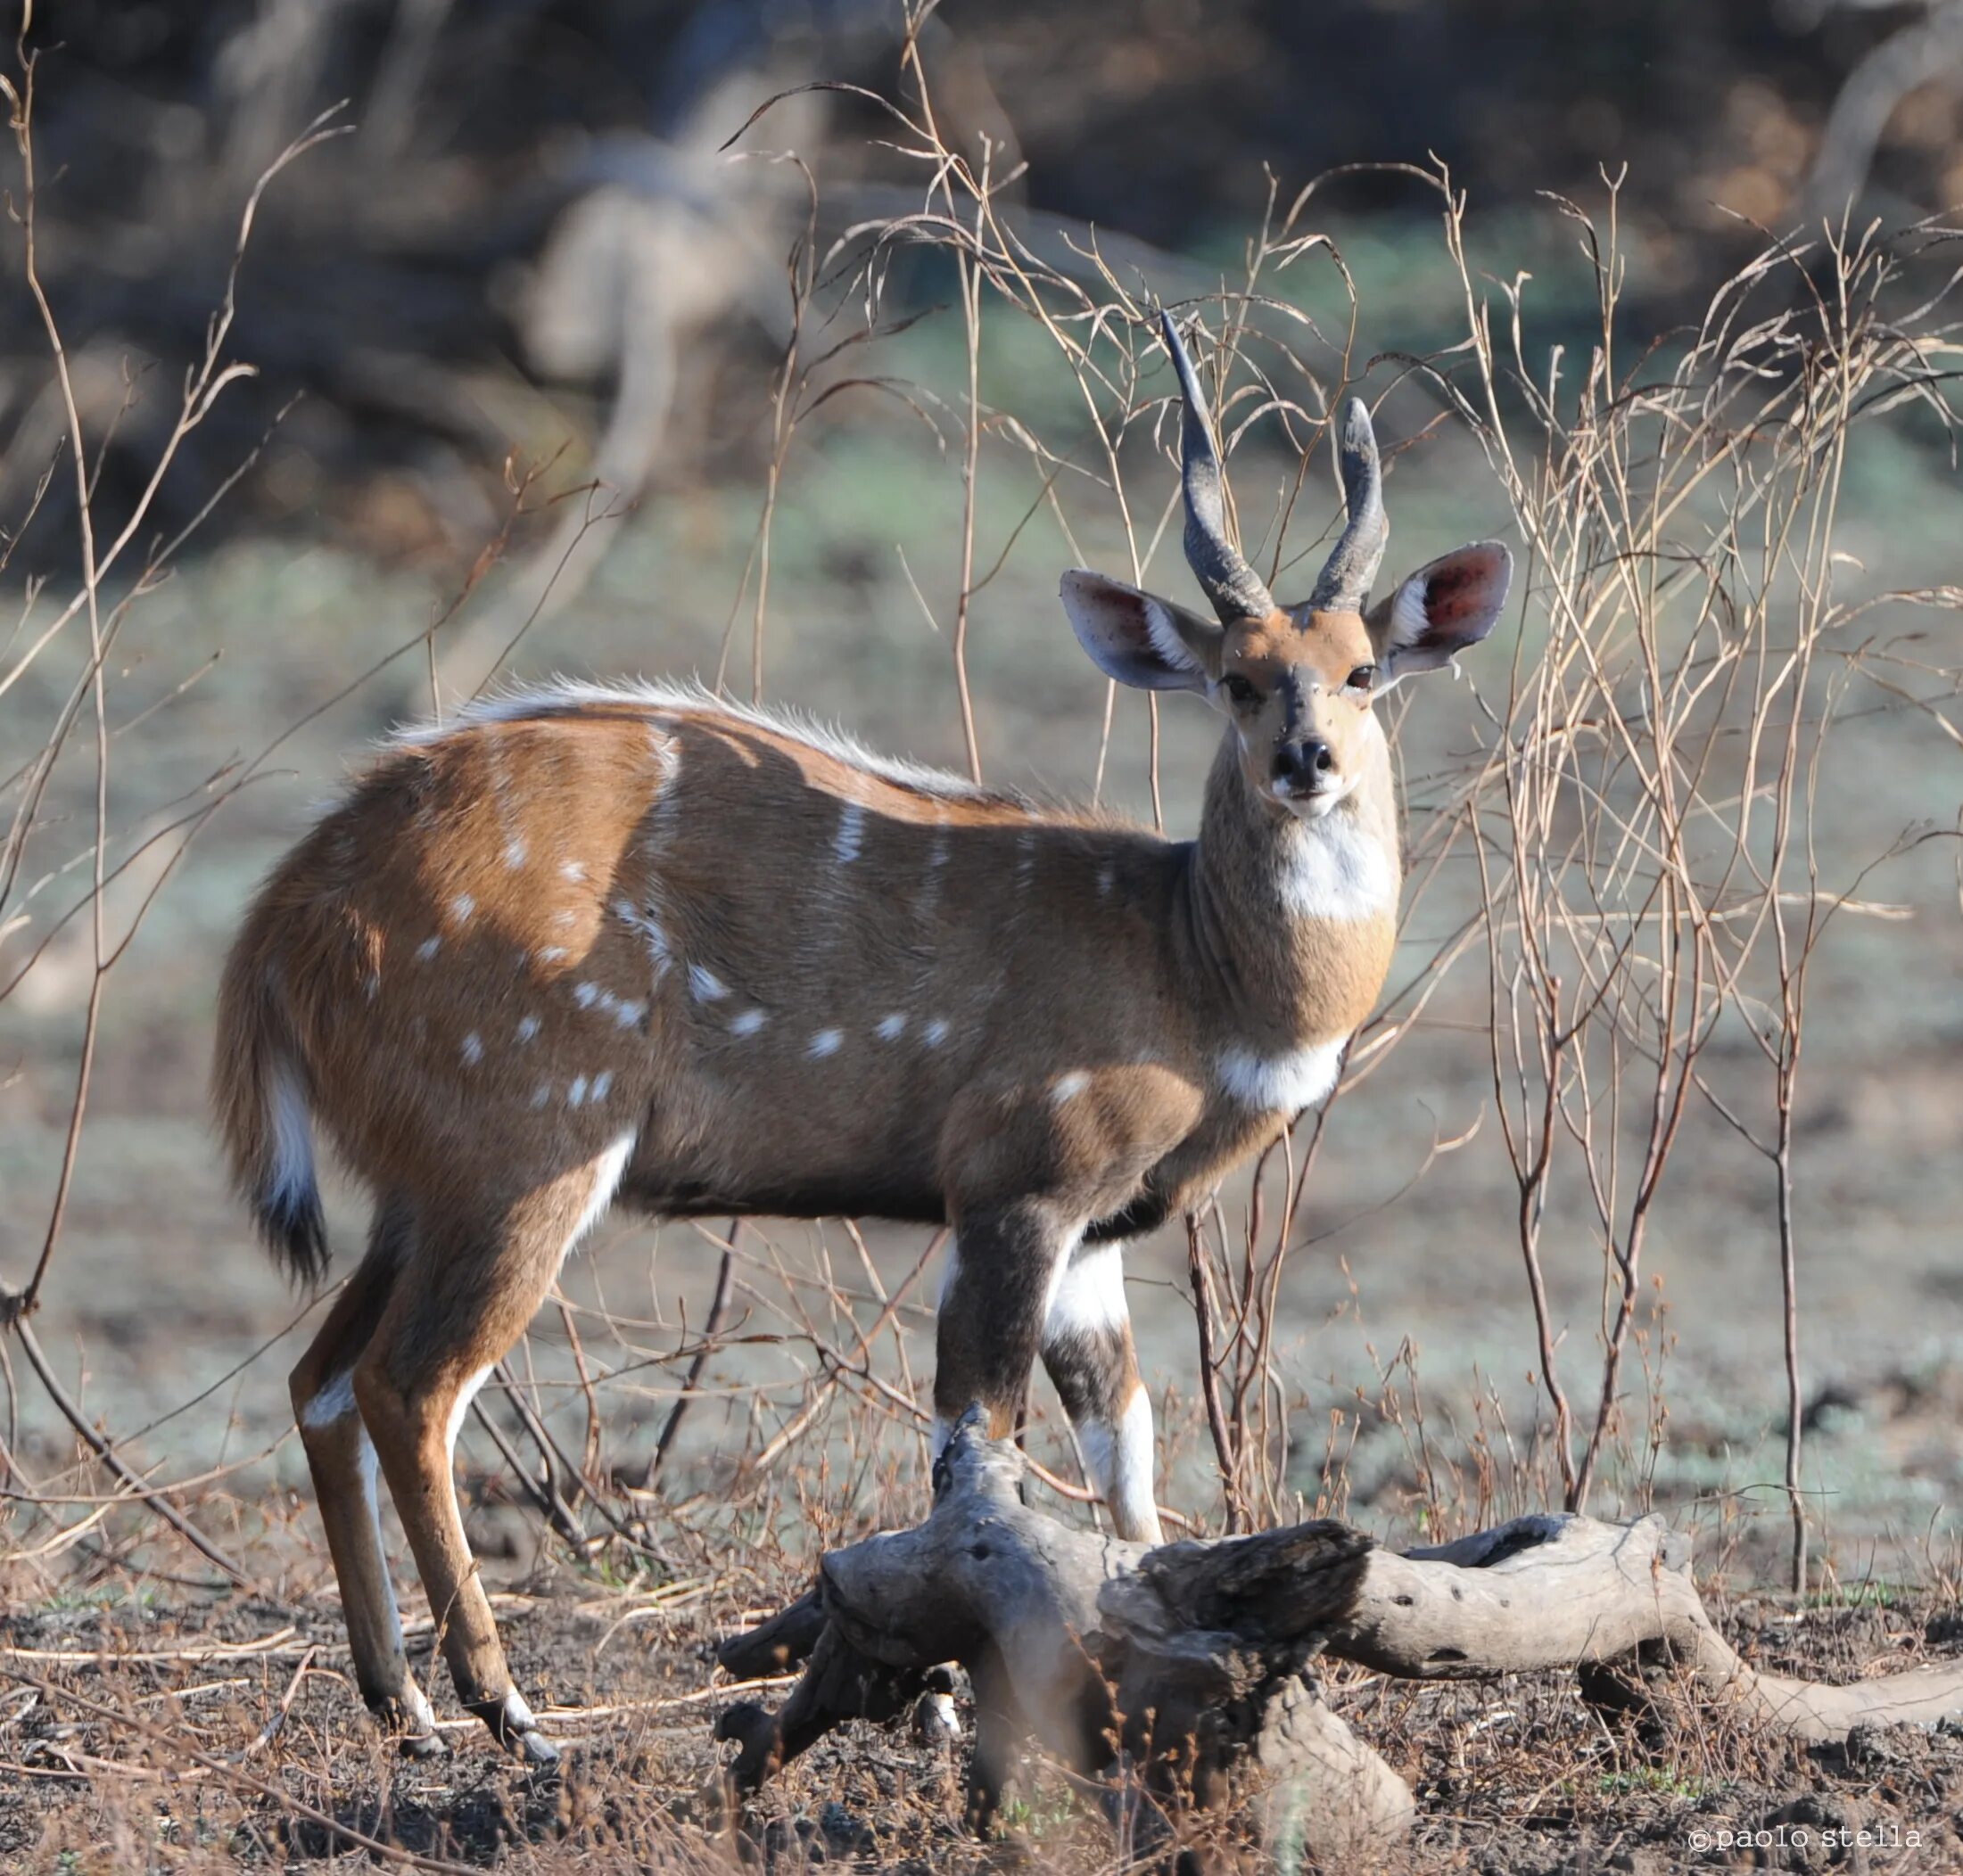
(630, 1014)
(528, 1027)
(602, 1081)
(747, 1024)
(573, 870)
(936, 855)
(852, 833)
(474, 1049)
(373, 986)
(565, 915)
(587, 995)
(1107, 876)
(1279, 1083)
(542, 1094)
(427, 949)
(934, 1033)
(515, 851)
(825, 1042)
(575, 1096)
(462, 907)
(334, 1402)
(1067, 1087)
(704, 986)
(891, 1028)
(550, 953)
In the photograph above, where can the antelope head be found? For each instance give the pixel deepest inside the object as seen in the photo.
(1295, 683)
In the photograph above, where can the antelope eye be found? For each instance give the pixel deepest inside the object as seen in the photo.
(1238, 690)
(1361, 678)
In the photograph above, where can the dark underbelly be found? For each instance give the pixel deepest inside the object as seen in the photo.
(899, 1203)
(902, 1201)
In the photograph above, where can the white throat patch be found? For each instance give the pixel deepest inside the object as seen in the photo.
(1334, 869)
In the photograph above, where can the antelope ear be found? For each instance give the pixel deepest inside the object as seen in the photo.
(1441, 609)
(1148, 643)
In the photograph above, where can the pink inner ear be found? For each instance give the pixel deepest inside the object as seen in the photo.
(1460, 592)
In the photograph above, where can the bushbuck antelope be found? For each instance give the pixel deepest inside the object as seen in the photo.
(583, 944)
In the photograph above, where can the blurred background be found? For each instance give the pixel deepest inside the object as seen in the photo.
(537, 298)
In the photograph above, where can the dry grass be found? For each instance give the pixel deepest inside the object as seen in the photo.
(1626, 872)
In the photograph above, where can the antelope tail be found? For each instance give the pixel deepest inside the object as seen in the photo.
(258, 1088)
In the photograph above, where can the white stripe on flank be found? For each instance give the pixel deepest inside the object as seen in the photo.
(852, 833)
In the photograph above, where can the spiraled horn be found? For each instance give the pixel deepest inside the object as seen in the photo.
(1344, 584)
(1233, 586)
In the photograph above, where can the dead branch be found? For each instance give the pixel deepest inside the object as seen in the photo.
(1180, 1676)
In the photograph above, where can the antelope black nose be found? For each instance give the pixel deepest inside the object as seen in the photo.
(1303, 760)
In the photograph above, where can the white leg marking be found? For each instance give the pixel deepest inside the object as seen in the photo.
(1129, 1492)
(460, 1406)
(371, 1494)
(608, 1170)
(334, 1402)
(1088, 1294)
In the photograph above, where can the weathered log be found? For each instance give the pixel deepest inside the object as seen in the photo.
(1181, 1676)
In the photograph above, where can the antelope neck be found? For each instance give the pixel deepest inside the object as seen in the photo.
(1275, 907)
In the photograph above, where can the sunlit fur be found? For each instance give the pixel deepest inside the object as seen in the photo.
(587, 944)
